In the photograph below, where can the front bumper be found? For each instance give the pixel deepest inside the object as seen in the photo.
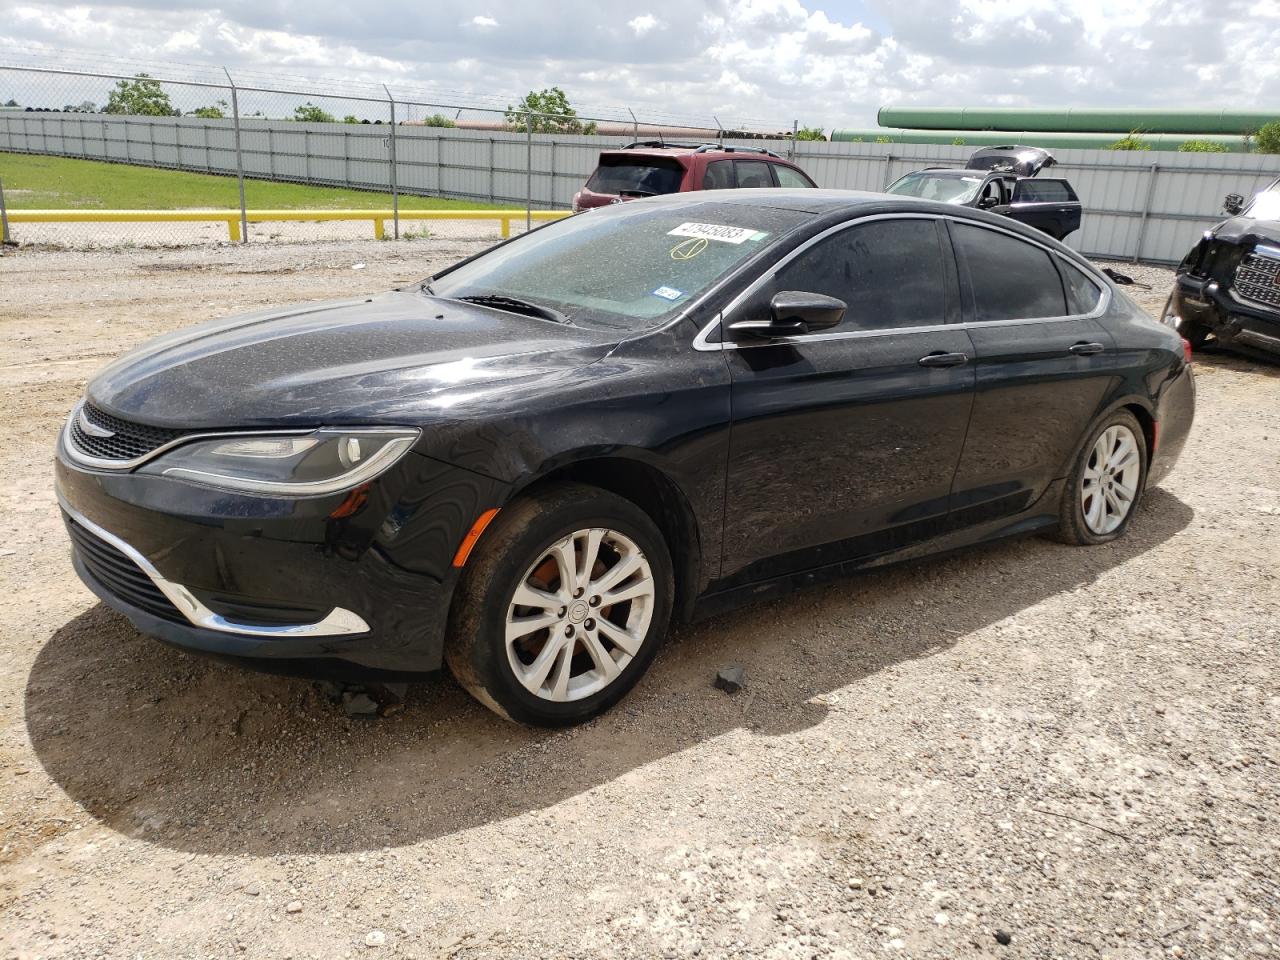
(1204, 301)
(302, 586)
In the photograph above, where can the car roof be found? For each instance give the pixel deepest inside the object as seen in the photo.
(799, 199)
(961, 172)
(739, 153)
(835, 205)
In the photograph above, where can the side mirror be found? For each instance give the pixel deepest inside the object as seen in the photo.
(1233, 203)
(986, 203)
(792, 313)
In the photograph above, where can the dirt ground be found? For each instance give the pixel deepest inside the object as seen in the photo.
(1025, 750)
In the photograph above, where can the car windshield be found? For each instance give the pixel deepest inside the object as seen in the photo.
(1266, 205)
(647, 177)
(930, 186)
(629, 265)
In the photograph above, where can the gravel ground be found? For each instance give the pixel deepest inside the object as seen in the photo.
(1024, 750)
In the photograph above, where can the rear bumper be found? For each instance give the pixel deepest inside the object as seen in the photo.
(1175, 413)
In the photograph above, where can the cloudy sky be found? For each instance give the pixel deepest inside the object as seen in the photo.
(822, 62)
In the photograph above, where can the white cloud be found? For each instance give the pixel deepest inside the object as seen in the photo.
(643, 24)
(827, 64)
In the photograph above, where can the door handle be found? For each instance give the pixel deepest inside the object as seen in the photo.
(1086, 349)
(944, 360)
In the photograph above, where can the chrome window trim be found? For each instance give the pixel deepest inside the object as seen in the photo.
(123, 466)
(337, 622)
(702, 343)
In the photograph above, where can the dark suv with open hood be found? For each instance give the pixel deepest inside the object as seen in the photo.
(1003, 180)
(1228, 286)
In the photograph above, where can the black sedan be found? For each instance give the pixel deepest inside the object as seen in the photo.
(527, 465)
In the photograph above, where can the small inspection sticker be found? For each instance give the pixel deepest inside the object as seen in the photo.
(717, 231)
(668, 293)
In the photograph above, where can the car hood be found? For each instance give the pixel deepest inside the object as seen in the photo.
(1243, 230)
(387, 359)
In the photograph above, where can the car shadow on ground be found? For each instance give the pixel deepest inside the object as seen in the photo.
(205, 757)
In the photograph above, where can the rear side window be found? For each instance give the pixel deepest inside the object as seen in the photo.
(637, 176)
(753, 173)
(889, 272)
(791, 178)
(1009, 279)
(719, 175)
(1083, 294)
(1043, 191)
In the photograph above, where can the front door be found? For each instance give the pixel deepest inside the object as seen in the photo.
(845, 442)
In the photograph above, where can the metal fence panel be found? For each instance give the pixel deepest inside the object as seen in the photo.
(1144, 204)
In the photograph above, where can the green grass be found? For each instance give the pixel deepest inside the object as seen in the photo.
(62, 183)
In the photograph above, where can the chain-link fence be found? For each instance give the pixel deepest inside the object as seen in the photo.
(93, 159)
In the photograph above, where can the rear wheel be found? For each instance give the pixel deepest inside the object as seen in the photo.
(1106, 483)
(562, 608)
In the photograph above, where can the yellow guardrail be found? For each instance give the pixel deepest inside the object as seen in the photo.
(232, 217)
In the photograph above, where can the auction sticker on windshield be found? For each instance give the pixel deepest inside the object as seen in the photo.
(717, 231)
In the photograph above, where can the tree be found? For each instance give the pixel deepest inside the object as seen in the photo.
(557, 116)
(350, 118)
(958, 142)
(12, 103)
(1268, 137)
(215, 112)
(1202, 146)
(310, 113)
(438, 120)
(142, 96)
(1133, 141)
(810, 133)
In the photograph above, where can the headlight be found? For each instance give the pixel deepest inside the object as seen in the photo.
(313, 464)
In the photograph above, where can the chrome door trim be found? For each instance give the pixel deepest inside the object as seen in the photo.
(337, 622)
(702, 343)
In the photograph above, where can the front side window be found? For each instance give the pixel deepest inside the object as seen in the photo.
(890, 273)
(753, 173)
(1009, 278)
(944, 189)
(626, 266)
(791, 178)
(636, 176)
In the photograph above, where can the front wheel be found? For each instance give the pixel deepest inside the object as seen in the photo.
(1105, 484)
(563, 607)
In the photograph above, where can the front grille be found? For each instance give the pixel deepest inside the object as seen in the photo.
(1258, 279)
(120, 575)
(128, 441)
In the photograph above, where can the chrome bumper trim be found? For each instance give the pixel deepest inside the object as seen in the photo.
(338, 622)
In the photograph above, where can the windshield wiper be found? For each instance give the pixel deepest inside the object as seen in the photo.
(514, 305)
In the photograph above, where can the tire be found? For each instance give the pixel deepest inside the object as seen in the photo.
(556, 671)
(1194, 333)
(1095, 489)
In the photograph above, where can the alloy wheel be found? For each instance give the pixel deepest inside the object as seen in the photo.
(1110, 482)
(579, 614)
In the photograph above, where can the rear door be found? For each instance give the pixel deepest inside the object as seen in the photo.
(844, 442)
(1044, 364)
(1049, 205)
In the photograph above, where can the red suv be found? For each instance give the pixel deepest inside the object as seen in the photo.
(650, 167)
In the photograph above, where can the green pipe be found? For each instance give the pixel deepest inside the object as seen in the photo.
(1077, 119)
(1051, 141)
